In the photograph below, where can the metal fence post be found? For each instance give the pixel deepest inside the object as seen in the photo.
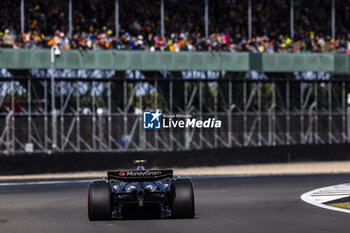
(70, 9)
(171, 112)
(229, 114)
(288, 112)
(333, 19)
(155, 109)
(53, 109)
(206, 16)
(29, 99)
(348, 118)
(292, 19)
(245, 129)
(250, 19)
(116, 18)
(22, 17)
(100, 127)
(162, 18)
(54, 129)
(8, 132)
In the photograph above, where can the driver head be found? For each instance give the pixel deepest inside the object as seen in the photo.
(140, 168)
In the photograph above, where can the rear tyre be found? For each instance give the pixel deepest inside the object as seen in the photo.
(183, 199)
(99, 201)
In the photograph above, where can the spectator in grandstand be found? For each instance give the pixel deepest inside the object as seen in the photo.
(93, 21)
(8, 38)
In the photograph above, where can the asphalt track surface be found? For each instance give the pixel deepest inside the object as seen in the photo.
(228, 204)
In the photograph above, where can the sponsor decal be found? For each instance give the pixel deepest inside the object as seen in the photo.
(157, 120)
(143, 173)
(122, 173)
(151, 120)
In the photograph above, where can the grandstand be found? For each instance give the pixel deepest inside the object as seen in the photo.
(173, 25)
(174, 116)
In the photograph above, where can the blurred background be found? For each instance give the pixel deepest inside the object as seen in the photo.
(76, 76)
(173, 25)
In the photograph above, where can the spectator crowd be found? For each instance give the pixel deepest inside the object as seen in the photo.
(46, 24)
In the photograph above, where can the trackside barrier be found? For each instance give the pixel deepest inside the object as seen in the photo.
(140, 60)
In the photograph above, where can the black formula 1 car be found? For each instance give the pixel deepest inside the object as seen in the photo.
(140, 193)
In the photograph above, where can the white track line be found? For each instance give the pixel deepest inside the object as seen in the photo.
(45, 182)
(87, 180)
(319, 196)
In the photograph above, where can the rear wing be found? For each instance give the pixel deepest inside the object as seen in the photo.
(137, 176)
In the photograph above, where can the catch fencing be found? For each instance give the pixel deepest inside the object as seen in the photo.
(104, 114)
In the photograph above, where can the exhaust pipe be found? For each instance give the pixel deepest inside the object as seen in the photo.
(140, 196)
(140, 193)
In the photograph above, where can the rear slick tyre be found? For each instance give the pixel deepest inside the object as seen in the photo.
(183, 199)
(99, 201)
